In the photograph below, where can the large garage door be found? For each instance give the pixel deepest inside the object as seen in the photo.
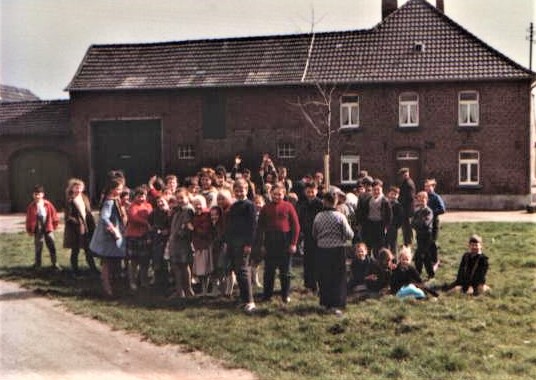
(48, 168)
(133, 146)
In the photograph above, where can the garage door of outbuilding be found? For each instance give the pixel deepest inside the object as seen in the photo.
(133, 146)
(28, 168)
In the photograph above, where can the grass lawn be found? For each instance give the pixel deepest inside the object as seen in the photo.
(455, 337)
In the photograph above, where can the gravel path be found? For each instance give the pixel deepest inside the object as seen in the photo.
(40, 340)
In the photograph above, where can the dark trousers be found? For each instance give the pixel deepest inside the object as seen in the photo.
(407, 230)
(240, 264)
(423, 254)
(277, 258)
(391, 239)
(435, 233)
(160, 266)
(332, 276)
(374, 235)
(310, 275)
(40, 237)
(89, 259)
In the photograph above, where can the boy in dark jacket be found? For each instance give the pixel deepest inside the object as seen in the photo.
(422, 224)
(471, 278)
(391, 238)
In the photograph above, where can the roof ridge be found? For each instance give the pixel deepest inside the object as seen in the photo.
(228, 39)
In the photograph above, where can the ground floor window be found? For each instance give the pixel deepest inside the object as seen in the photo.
(349, 169)
(186, 152)
(286, 150)
(469, 168)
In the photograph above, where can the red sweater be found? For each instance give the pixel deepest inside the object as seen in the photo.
(51, 222)
(202, 234)
(138, 219)
(280, 217)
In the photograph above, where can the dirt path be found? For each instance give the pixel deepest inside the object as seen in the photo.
(40, 340)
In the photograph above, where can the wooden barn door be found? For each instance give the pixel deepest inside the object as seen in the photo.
(28, 168)
(133, 146)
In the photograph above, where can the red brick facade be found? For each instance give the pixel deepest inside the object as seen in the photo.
(259, 118)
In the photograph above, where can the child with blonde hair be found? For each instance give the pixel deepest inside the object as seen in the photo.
(202, 237)
(405, 280)
(79, 224)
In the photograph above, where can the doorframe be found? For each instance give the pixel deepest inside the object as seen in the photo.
(419, 163)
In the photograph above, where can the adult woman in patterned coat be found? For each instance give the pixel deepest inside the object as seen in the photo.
(331, 231)
(79, 224)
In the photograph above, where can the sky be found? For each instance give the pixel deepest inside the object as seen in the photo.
(42, 42)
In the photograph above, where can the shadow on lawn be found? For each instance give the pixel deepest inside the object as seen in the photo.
(63, 284)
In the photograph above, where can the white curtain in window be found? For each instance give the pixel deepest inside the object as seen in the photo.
(413, 114)
(345, 116)
(355, 110)
(464, 113)
(473, 113)
(403, 114)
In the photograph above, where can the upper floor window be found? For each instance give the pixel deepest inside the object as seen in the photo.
(350, 111)
(286, 150)
(214, 115)
(408, 110)
(186, 152)
(349, 169)
(469, 168)
(468, 112)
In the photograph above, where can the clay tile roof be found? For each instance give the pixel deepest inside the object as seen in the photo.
(38, 118)
(416, 42)
(15, 94)
(204, 63)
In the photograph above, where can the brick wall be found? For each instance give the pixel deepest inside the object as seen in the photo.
(259, 118)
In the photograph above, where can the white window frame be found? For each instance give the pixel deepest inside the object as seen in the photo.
(186, 152)
(349, 103)
(468, 165)
(349, 160)
(286, 150)
(407, 155)
(468, 109)
(408, 109)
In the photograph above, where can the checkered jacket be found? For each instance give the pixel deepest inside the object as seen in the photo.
(331, 229)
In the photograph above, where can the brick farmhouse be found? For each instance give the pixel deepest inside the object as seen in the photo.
(417, 90)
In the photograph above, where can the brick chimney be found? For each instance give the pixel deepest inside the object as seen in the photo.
(388, 7)
(440, 5)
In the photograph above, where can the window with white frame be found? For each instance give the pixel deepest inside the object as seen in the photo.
(186, 152)
(469, 168)
(408, 109)
(349, 169)
(286, 150)
(468, 108)
(349, 111)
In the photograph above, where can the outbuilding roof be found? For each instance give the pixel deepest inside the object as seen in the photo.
(15, 94)
(417, 42)
(37, 118)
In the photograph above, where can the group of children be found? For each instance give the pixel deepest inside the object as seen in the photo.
(214, 230)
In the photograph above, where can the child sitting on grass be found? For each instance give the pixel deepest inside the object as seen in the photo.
(359, 268)
(471, 278)
(379, 275)
(405, 280)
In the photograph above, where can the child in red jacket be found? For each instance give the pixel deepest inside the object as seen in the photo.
(41, 221)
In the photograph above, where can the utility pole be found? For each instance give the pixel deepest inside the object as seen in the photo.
(531, 42)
